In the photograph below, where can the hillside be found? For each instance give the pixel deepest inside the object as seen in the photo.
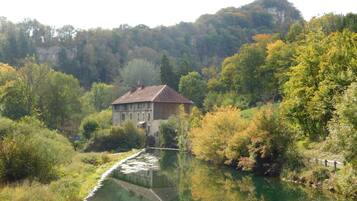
(97, 54)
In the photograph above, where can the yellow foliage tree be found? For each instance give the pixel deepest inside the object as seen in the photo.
(209, 141)
(7, 73)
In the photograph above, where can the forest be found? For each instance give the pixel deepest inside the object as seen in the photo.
(269, 93)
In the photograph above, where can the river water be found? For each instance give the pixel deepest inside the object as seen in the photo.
(171, 176)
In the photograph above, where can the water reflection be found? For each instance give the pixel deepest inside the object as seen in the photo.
(171, 176)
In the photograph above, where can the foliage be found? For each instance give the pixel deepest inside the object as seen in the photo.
(39, 91)
(99, 97)
(123, 137)
(345, 182)
(215, 99)
(167, 74)
(59, 104)
(140, 72)
(30, 151)
(260, 144)
(343, 126)
(168, 133)
(210, 139)
(95, 55)
(76, 181)
(325, 67)
(89, 127)
(270, 139)
(103, 119)
(193, 87)
(7, 73)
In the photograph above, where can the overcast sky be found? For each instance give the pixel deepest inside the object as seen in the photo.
(112, 13)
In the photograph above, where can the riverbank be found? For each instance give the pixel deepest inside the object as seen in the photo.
(76, 179)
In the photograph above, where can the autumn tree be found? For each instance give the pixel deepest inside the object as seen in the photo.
(325, 67)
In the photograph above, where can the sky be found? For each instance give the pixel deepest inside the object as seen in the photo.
(111, 13)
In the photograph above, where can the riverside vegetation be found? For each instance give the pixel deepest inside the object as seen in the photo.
(284, 91)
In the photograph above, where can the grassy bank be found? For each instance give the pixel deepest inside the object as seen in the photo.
(74, 183)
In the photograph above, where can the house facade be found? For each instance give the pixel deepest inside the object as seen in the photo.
(147, 106)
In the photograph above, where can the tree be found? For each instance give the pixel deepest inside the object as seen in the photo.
(280, 57)
(101, 95)
(140, 71)
(168, 134)
(59, 104)
(325, 67)
(193, 86)
(343, 126)
(89, 128)
(7, 73)
(13, 100)
(167, 75)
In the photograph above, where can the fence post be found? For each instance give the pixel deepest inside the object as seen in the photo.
(335, 165)
(325, 163)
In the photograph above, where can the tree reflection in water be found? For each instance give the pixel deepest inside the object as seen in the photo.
(180, 177)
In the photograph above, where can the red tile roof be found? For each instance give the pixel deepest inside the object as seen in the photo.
(157, 93)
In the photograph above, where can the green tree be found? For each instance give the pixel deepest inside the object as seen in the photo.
(168, 133)
(193, 86)
(13, 102)
(59, 104)
(99, 97)
(325, 67)
(343, 126)
(140, 71)
(167, 75)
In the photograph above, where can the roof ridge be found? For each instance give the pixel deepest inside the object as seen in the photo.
(158, 93)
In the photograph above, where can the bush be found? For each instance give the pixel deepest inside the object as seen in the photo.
(96, 159)
(346, 182)
(118, 138)
(89, 127)
(343, 126)
(30, 151)
(260, 145)
(103, 119)
(217, 128)
(168, 133)
(270, 140)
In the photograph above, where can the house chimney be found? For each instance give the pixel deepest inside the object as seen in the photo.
(140, 86)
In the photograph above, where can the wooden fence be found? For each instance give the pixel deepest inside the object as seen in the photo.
(327, 163)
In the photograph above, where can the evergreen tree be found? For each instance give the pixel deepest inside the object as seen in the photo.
(167, 75)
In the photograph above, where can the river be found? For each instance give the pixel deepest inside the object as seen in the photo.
(171, 176)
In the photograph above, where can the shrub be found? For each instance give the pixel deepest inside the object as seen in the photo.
(217, 128)
(346, 182)
(270, 140)
(117, 138)
(89, 127)
(103, 119)
(168, 133)
(30, 151)
(343, 126)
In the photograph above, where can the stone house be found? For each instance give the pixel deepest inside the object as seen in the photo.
(147, 106)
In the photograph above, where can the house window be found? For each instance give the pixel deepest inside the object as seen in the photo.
(143, 116)
(138, 116)
(122, 117)
(139, 105)
(149, 116)
(148, 105)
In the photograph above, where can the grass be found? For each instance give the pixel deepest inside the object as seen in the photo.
(75, 180)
